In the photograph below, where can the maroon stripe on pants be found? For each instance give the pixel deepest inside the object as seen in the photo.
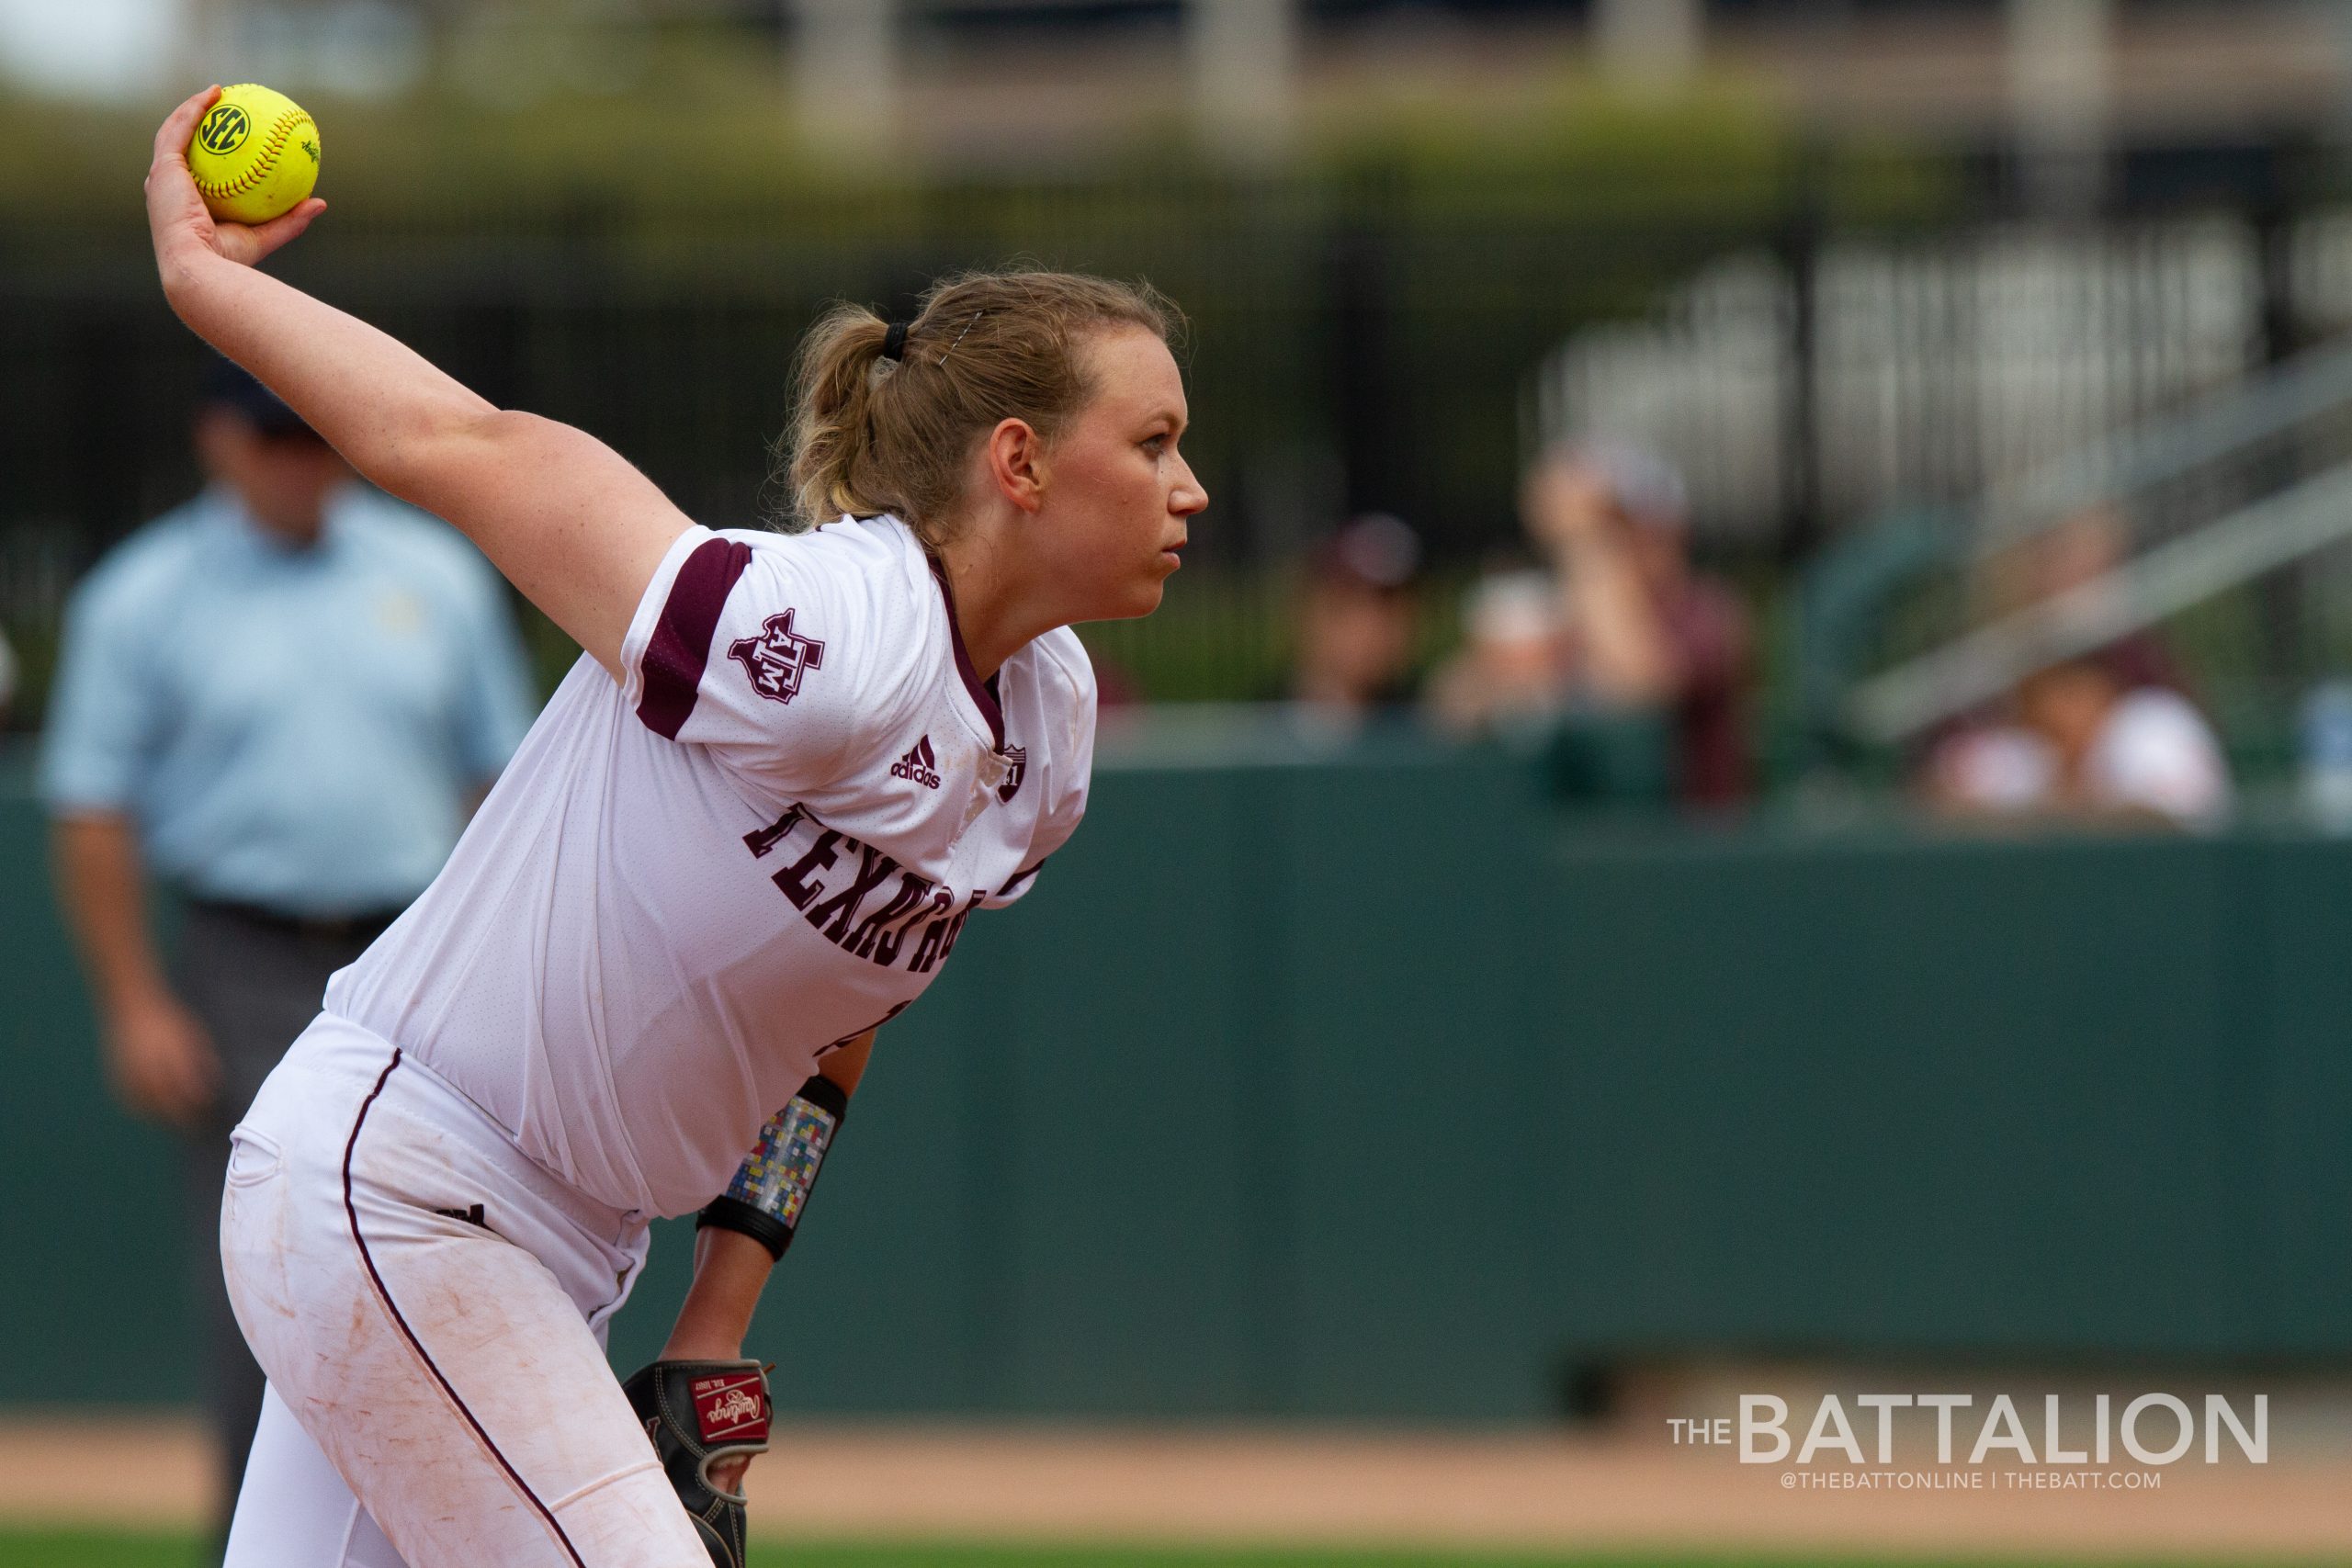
(680, 643)
(385, 1295)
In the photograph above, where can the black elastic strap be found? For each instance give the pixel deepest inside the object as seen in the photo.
(771, 1188)
(727, 1213)
(894, 342)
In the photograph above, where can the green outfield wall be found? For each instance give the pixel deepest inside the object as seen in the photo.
(1375, 1088)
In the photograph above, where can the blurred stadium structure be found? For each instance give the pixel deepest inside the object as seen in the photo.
(1844, 259)
(1916, 370)
(1954, 399)
(2255, 483)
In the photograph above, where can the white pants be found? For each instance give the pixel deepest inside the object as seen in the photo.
(439, 1397)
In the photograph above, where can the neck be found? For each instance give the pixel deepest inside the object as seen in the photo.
(293, 535)
(997, 611)
(287, 532)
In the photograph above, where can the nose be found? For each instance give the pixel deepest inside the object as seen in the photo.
(1188, 497)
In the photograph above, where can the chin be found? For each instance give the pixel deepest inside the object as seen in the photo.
(1130, 604)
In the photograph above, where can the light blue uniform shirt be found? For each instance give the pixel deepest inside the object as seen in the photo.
(299, 728)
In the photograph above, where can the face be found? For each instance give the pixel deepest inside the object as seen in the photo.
(2068, 706)
(1358, 639)
(283, 480)
(1117, 495)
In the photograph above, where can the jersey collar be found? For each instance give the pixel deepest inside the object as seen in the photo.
(982, 692)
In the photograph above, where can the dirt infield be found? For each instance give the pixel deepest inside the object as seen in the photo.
(1533, 1491)
(1316, 1487)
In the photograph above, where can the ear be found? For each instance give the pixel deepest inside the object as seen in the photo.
(1014, 456)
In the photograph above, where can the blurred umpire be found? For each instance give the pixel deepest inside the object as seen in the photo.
(281, 700)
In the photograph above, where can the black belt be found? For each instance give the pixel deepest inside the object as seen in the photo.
(365, 925)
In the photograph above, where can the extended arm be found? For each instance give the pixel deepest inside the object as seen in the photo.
(157, 1053)
(1628, 662)
(570, 522)
(1627, 656)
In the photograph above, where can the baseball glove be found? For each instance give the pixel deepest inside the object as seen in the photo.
(699, 1413)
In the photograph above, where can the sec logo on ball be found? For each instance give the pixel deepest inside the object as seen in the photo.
(225, 129)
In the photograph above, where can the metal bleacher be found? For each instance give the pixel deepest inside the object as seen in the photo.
(2252, 481)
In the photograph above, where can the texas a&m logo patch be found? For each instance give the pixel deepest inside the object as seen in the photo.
(731, 1408)
(776, 658)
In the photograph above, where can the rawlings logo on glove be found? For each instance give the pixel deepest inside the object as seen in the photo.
(734, 1408)
(699, 1413)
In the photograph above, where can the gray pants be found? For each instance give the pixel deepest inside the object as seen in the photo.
(254, 983)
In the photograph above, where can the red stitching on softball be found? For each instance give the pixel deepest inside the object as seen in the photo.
(275, 144)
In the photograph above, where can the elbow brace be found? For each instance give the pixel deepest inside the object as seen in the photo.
(772, 1186)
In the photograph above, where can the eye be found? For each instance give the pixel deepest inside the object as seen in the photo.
(1156, 445)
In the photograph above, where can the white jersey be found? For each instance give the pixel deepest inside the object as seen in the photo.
(685, 889)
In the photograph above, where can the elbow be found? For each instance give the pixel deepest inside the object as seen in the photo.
(422, 455)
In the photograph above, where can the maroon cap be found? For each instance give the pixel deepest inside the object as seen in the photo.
(1374, 550)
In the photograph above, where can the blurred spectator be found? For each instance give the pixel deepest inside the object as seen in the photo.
(1507, 676)
(1628, 626)
(281, 698)
(2108, 734)
(2086, 745)
(2078, 555)
(1358, 622)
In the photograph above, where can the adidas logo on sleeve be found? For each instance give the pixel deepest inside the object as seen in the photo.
(920, 764)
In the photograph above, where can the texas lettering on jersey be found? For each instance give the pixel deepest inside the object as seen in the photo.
(844, 889)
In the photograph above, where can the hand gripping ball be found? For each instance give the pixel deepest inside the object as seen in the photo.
(254, 154)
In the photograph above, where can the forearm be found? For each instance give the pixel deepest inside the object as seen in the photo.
(730, 1270)
(1627, 656)
(731, 1267)
(102, 885)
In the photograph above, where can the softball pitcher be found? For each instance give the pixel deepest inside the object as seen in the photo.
(746, 831)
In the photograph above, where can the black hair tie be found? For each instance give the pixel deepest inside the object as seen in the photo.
(894, 342)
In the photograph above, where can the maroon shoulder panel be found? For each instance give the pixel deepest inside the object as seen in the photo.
(680, 642)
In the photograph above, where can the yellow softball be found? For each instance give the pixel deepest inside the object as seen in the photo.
(254, 154)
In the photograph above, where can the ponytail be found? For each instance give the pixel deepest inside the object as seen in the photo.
(833, 385)
(877, 432)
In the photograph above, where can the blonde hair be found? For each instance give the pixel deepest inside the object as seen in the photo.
(871, 434)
